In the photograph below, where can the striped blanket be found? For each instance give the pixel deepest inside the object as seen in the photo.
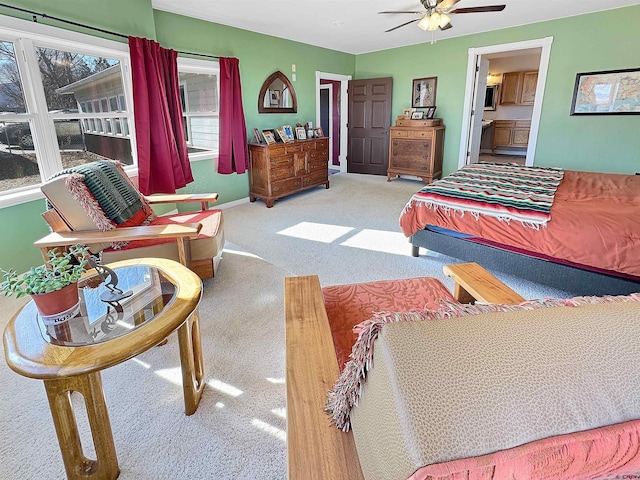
(507, 192)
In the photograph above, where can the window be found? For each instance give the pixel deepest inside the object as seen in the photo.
(63, 98)
(199, 96)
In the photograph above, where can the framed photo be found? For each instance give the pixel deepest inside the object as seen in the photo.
(431, 111)
(318, 133)
(406, 112)
(268, 137)
(274, 98)
(612, 92)
(301, 134)
(288, 131)
(256, 135)
(417, 115)
(423, 92)
(283, 136)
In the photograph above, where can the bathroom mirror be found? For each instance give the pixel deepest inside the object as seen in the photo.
(277, 95)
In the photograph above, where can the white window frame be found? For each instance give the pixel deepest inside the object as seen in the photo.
(25, 36)
(203, 67)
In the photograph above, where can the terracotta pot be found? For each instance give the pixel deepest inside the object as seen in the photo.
(59, 306)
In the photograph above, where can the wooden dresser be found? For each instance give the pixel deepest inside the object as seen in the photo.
(280, 169)
(415, 148)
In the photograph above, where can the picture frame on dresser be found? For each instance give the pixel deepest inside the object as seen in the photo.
(407, 112)
(418, 115)
(288, 131)
(256, 135)
(281, 133)
(269, 138)
(318, 133)
(431, 111)
(301, 133)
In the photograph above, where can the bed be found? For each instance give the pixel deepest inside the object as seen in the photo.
(585, 243)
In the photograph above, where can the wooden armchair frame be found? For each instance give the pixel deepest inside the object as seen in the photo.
(64, 236)
(315, 449)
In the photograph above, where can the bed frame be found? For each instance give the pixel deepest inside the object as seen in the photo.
(573, 280)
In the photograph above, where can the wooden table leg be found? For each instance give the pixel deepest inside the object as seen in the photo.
(105, 467)
(191, 361)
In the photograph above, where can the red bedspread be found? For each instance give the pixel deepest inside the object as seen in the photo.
(595, 221)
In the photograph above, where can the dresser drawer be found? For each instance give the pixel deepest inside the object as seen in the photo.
(281, 173)
(281, 161)
(399, 133)
(317, 166)
(315, 178)
(276, 149)
(283, 187)
(420, 134)
(318, 155)
(293, 148)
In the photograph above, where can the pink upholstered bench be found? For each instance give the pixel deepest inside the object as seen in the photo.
(348, 305)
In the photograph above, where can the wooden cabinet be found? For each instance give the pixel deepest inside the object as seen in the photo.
(280, 169)
(518, 88)
(510, 133)
(415, 148)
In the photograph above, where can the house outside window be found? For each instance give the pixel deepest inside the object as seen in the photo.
(64, 100)
(44, 127)
(199, 96)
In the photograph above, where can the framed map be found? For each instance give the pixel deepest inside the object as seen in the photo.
(613, 92)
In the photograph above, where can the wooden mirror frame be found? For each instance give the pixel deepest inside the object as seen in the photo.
(265, 86)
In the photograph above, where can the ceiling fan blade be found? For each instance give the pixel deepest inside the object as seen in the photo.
(444, 4)
(488, 8)
(399, 26)
(446, 27)
(404, 11)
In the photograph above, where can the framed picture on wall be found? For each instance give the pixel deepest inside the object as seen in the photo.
(423, 92)
(612, 92)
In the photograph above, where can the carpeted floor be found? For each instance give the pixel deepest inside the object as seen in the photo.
(346, 234)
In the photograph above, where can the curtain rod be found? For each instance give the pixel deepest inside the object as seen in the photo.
(34, 18)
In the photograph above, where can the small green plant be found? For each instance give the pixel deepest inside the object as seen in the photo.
(61, 270)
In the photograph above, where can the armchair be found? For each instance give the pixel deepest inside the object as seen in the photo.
(97, 204)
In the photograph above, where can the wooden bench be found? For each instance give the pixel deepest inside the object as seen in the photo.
(316, 449)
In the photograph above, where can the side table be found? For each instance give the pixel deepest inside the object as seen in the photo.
(69, 357)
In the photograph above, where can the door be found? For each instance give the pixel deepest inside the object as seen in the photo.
(369, 120)
(478, 110)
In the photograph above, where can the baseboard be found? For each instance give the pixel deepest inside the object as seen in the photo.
(234, 203)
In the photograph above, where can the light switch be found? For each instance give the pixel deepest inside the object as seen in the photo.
(293, 77)
(293, 67)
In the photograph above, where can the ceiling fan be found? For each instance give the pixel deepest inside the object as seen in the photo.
(436, 15)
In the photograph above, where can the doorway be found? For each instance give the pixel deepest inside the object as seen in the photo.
(328, 113)
(473, 125)
(338, 141)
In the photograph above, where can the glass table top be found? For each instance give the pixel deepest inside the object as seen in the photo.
(148, 293)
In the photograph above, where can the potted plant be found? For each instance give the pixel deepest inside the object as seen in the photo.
(53, 287)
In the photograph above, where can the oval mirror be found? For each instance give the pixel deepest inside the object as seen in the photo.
(277, 95)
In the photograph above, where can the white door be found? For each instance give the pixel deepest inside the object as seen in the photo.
(477, 112)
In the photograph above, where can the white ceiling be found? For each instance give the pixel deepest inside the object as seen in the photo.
(354, 26)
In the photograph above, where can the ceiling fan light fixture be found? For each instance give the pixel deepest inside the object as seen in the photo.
(424, 22)
(444, 20)
(434, 22)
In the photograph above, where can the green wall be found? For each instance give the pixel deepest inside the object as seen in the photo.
(603, 41)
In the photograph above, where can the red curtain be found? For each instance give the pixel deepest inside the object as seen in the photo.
(163, 160)
(233, 155)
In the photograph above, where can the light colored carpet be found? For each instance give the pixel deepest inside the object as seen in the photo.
(346, 234)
